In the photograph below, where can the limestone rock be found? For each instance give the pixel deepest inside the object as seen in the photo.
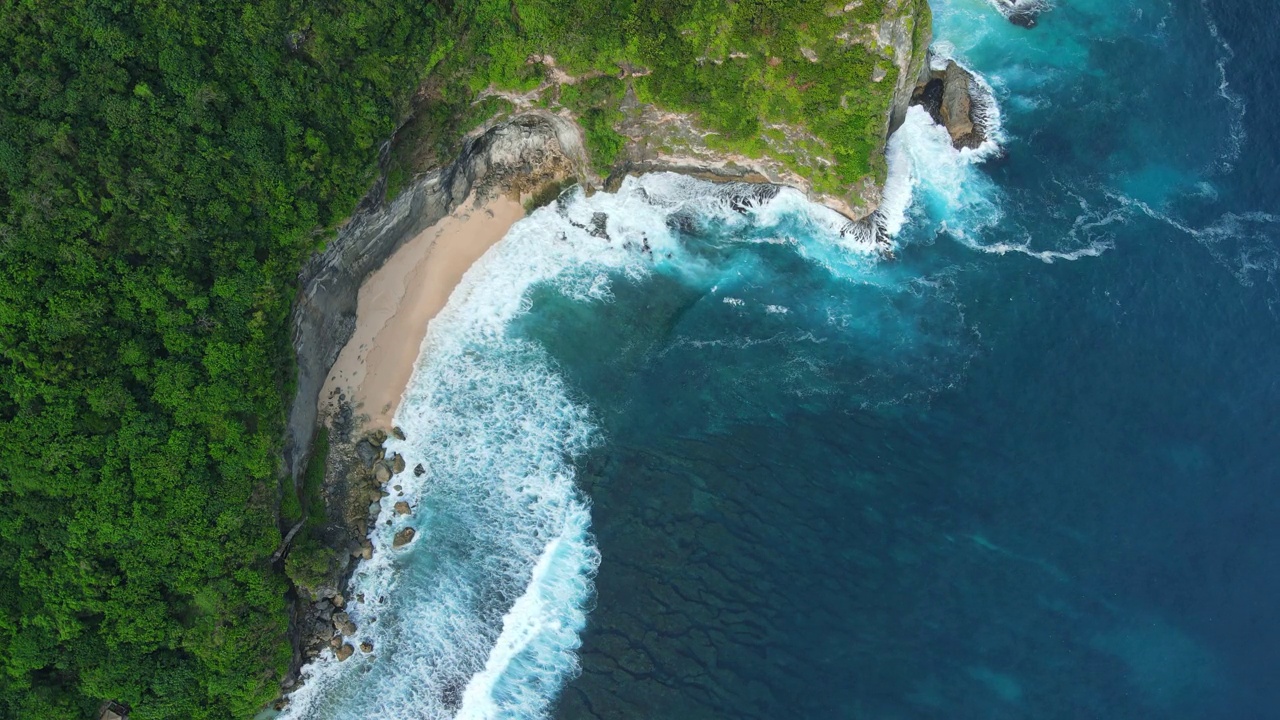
(402, 508)
(344, 652)
(404, 537)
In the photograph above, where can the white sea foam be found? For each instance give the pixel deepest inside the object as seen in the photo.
(479, 617)
(1236, 104)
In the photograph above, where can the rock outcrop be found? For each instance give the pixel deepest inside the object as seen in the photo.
(404, 537)
(1023, 13)
(953, 99)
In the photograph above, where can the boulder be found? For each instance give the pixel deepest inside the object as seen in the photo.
(397, 433)
(381, 472)
(335, 642)
(1023, 13)
(366, 647)
(377, 437)
(366, 550)
(957, 102)
(397, 464)
(366, 452)
(948, 96)
(342, 623)
(402, 508)
(344, 652)
(418, 470)
(404, 537)
(339, 601)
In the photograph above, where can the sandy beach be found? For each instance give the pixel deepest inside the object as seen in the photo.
(397, 302)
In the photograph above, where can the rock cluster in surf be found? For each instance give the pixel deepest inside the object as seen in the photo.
(1023, 13)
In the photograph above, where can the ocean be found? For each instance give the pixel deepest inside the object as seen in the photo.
(732, 462)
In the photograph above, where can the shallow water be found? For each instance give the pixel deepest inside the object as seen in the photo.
(1026, 469)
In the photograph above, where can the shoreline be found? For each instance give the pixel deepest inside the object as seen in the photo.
(397, 302)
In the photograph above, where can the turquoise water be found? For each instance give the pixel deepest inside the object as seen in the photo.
(733, 464)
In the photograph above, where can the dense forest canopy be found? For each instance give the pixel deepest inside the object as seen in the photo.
(165, 167)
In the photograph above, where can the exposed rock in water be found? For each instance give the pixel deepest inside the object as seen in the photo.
(402, 508)
(397, 433)
(951, 97)
(344, 652)
(418, 470)
(397, 465)
(366, 647)
(381, 472)
(404, 537)
(1023, 13)
(745, 197)
(598, 222)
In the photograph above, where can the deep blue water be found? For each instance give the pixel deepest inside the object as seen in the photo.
(1025, 469)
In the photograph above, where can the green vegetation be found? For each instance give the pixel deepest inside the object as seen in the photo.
(165, 167)
(309, 562)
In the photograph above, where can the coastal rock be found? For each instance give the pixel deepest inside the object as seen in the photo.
(418, 470)
(957, 102)
(397, 433)
(1023, 13)
(367, 453)
(381, 472)
(366, 550)
(339, 601)
(342, 623)
(402, 508)
(366, 647)
(397, 464)
(404, 537)
(951, 98)
(344, 652)
(377, 437)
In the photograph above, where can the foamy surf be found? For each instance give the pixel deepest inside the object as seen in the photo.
(480, 616)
